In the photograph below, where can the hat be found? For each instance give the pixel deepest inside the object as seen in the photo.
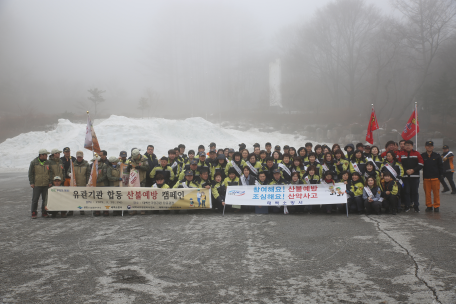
(202, 154)
(256, 145)
(194, 162)
(212, 151)
(277, 147)
(57, 178)
(43, 151)
(446, 147)
(123, 154)
(231, 151)
(430, 143)
(188, 173)
(95, 158)
(66, 149)
(212, 144)
(79, 153)
(367, 147)
(275, 171)
(113, 159)
(286, 147)
(164, 158)
(135, 152)
(53, 151)
(204, 169)
(221, 156)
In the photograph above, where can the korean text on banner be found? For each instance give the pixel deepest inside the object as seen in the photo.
(286, 195)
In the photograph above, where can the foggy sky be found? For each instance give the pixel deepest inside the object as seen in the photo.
(59, 49)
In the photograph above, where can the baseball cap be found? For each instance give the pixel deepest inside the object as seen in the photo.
(113, 159)
(275, 171)
(430, 143)
(79, 153)
(277, 147)
(43, 151)
(188, 172)
(231, 151)
(55, 151)
(57, 178)
(446, 147)
(221, 156)
(135, 152)
(194, 162)
(66, 149)
(123, 154)
(202, 154)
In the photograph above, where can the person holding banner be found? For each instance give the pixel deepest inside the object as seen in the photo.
(113, 172)
(139, 162)
(390, 193)
(81, 173)
(232, 180)
(311, 178)
(355, 202)
(187, 182)
(165, 170)
(56, 164)
(372, 196)
(277, 180)
(236, 163)
(328, 180)
(218, 191)
(56, 182)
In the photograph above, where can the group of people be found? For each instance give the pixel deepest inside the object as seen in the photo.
(375, 182)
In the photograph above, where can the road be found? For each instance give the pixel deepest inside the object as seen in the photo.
(206, 258)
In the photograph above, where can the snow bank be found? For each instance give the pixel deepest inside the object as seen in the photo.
(119, 133)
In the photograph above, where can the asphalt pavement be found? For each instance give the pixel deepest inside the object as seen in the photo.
(204, 257)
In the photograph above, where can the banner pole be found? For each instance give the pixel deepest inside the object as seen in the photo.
(223, 214)
(346, 207)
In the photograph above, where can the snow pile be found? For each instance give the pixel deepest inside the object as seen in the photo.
(119, 133)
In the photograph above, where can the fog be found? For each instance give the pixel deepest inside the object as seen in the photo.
(203, 58)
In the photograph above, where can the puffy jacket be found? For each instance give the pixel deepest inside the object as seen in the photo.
(448, 165)
(40, 173)
(250, 180)
(240, 164)
(57, 168)
(313, 179)
(361, 166)
(219, 168)
(281, 181)
(257, 165)
(390, 186)
(376, 192)
(357, 188)
(375, 174)
(162, 186)
(167, 172)
(433, 165)
(102, 174)
(81, 173)
(190, 184)
(411, 160)
(66, 165)
(397, 168)
(218, 191)
(231, 182)
(316, 164)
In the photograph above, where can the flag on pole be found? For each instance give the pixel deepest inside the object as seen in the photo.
(93, 174)
(91, 141)
(412, 127)
(73, 179)
(373, 125)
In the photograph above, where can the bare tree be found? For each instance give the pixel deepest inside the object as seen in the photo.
(426, 26)
(96, 98)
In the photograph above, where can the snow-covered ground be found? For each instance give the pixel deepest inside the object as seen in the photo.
(119, 133)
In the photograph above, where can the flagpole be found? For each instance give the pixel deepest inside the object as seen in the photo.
(88, 117)
(416, 125)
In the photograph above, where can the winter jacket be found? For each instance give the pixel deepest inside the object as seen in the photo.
(240, 164)
(231, 182)
(433, 165)
(281, 181)
(391, 186)
(113, 176)
(357, 188)
(411, 160)
(219, 168)
(66, 165)
(162, 186)
(313, 179)
(81, 173)
(142, 165)
(190, 184)
(376, 192)
(396, 166)
(57, 168)
(40, 173)
(167, 173)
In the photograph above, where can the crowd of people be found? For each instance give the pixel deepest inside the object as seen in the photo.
(375, 181)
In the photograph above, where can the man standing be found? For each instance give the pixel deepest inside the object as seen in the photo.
(40, 180)
(153, 162)
(56, 164)
(448, 170)
(81, 173)
(432, 172)
(412, 162)
(139, 162)
(66, 165)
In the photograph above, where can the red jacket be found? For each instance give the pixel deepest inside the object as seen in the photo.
(411, 160)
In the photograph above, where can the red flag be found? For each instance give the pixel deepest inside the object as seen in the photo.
(412, 127)
(91, 140)
(373, 125)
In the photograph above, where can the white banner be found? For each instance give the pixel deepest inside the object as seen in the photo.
(127, 198)
(286, 195)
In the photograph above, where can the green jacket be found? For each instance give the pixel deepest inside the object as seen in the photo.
(357, 188)
(57, 168)
(102, 175)
(40, 173)
(190, 184)
(142, 165)
(81, 173)
(113, 175)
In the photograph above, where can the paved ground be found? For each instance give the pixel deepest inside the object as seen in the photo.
(207, 258)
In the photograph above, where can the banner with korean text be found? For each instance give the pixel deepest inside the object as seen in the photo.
(129, 198)
(286, 195)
